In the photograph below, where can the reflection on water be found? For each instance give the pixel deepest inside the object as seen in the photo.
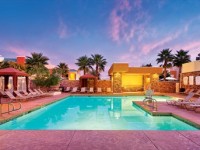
(94, 113)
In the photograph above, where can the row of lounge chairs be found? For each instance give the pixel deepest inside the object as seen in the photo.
(24, 95)
(84, 90)
(186, 102)
(187, 91)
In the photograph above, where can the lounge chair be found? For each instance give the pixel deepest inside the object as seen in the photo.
(197, 92)
(22, 96)
(67, 89)
(27, 94)
(74, 90)
(178, 102)
(38, 93)
(193, 105)
(187, 91)
(91, 90)
(99, 90)
(2, 93)
(11, 96)
(83, 89)
(108, 90)
(33, 93)
(43, 92)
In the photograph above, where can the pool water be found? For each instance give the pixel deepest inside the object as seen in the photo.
(95, 113)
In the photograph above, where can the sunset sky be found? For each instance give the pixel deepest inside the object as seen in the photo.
(132, 31)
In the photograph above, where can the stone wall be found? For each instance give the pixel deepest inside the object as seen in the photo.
(117, 82)
(167, 86)
(194, 74)
(70, 83)
(103, 84)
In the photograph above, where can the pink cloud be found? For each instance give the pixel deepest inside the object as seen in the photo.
(193, 47)
(124, 29)
(18, 51)
(118, 24)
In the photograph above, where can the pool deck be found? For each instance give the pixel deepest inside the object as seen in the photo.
(102, 140)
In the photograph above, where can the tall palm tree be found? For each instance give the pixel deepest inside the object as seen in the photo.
(99, 63)
(36, 64)
(63, 67)
(84, 64)
(165, 57)
(180, 58)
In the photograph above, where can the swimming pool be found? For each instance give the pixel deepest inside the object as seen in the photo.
(95, 113)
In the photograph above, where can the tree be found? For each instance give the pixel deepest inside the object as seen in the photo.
(12, 64)
(180, 58)
(63, 69)
(165, 57)
(99, 63)
(36, 64)
(84, 63)
(147, 65)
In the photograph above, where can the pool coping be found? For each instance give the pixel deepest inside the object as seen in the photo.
(31, 110)
(153, 113)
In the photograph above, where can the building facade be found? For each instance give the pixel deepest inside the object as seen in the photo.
(132, 79)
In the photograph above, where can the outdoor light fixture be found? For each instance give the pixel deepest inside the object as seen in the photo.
(1, 58)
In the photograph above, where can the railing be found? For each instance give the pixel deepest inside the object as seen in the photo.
(150, 102)
(10, 107)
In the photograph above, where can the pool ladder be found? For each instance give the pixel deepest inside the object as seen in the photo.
(11, 107)
(150, 102)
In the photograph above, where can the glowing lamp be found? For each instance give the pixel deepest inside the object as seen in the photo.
(1, 58)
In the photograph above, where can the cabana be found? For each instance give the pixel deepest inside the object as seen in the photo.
(84, 80)
(14, 73)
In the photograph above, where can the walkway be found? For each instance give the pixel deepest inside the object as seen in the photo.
(99, 140)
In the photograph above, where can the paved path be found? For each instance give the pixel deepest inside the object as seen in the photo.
(99, 140)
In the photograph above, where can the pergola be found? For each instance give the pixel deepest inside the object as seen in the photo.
(6, 72)
(84, 80)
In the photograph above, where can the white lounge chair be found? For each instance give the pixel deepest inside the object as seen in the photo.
(33, 93)
(91, 90)
(179, 101)
(22, 96)
(67, 89)
(11, 96)
(74, 90)
(99, 90)
(39, 93)
(83, 89)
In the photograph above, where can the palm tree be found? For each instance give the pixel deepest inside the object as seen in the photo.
(36, 64)
(165, 57)
(99, 63)
(180, 58)
(84, 63)
(63, 67)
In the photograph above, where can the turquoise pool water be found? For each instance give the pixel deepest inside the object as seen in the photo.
(95, 113)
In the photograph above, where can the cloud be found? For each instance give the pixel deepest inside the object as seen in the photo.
(18, 50)
(192, 46)
(62, 29)
(122, 28)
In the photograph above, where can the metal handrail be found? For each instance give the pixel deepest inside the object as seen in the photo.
(153, 103)
(10, 110)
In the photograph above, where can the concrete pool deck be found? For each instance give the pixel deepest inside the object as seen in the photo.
(76, 139)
